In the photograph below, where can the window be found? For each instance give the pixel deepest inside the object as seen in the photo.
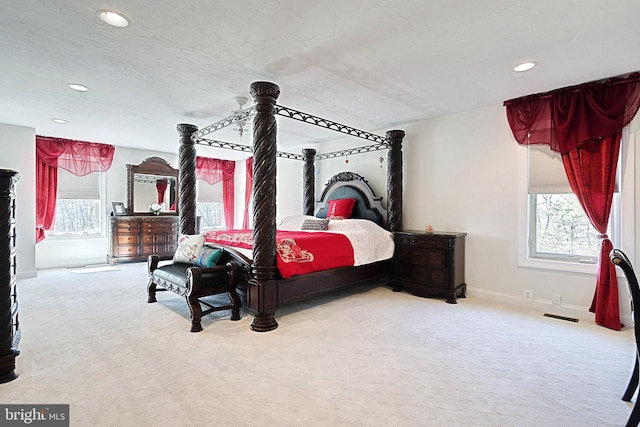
(209, 205)
(558, 229)
(78, 205)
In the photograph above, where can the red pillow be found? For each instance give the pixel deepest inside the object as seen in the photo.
(341, 208)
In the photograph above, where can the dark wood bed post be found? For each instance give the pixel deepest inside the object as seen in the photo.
(262, 290)
(394, 180)
(187, 179)
(308, 182)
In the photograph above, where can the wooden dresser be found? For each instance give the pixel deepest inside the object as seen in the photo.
(9, 324)
(134, 238)
(429, 264)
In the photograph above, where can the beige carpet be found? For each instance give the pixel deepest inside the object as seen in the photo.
(365, 357)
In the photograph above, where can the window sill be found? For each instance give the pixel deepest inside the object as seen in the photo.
(75, 236)
(564, 266)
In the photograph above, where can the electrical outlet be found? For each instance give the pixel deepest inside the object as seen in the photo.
(557, 300)
(528, 295)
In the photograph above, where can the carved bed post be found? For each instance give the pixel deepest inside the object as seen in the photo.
(308, 182)
(262, 290)
(187, 179)
(394, 180)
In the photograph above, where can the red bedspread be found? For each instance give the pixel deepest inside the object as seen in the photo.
(298, 252)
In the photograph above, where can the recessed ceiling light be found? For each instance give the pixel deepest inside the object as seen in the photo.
(525, 66)
(78, 87)
(59, 121)
(115, 19)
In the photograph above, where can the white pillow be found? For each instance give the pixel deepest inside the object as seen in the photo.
(293, 222)
(189, 247)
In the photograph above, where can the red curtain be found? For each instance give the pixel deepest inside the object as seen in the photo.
(247, 191)
(591, 170)
(161, 186)
(77, 157)
(214, 171)
(46, 191)
(584, 123)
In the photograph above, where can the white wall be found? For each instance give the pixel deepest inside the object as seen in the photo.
(19, 153)
(288, 187)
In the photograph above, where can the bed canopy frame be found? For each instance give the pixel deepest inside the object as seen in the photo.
(262, 289)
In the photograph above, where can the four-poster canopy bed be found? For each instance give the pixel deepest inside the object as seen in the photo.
(266, 290)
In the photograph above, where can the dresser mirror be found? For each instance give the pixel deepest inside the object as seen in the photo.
(152, 182)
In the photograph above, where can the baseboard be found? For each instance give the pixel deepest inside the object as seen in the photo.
(26, 274)
(541, 305)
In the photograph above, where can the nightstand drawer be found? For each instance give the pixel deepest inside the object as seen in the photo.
(412, 256)
(436, 259)
(424, 241)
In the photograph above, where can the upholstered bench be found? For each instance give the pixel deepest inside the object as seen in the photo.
(193, 283)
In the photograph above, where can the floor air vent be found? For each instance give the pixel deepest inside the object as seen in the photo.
(555, 316)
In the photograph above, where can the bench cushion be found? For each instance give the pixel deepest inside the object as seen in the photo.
(176, 273)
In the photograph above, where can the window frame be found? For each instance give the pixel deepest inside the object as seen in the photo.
(102, 189)
(220, 184)
(621, 217)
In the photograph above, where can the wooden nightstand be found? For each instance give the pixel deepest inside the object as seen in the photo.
(429, 264)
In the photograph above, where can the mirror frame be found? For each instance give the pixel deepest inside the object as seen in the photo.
(153, 166)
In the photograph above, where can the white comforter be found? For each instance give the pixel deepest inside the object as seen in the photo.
(370, 242)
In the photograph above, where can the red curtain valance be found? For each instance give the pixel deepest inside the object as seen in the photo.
(214, 170)
(566, 118)
(77, 157)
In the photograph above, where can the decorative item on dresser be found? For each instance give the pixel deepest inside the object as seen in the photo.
(9, 324)
(430, 264)
(134, 238)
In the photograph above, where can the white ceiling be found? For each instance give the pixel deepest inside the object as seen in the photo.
(370, 64)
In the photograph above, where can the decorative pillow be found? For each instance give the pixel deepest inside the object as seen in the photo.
(208, 257)
(340, 208)
(189, 247)
(315, 224)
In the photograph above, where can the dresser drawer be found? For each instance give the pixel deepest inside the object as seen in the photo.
(159, 228)
(124, 250)
(128, 240)
(164, 238)
(150, 249)
(127, 229)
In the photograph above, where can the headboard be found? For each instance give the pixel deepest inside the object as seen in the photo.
(346, 185)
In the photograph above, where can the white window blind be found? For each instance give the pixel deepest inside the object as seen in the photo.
(71, 186)
(546, 172)
(208, 193)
